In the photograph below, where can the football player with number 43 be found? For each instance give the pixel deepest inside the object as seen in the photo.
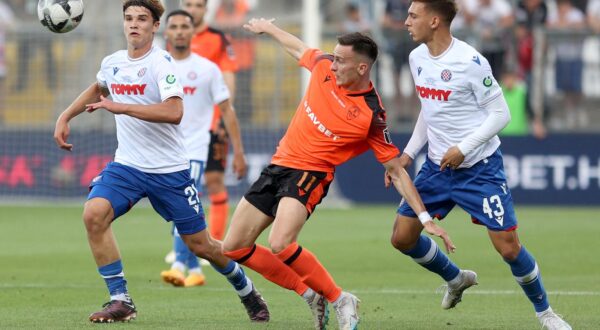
(462, 110)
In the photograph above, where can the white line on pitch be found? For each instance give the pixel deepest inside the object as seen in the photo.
(358, 291)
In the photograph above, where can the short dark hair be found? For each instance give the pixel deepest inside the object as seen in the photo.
(445, 8)
(180, 12)
(361, 44)
(154, 6)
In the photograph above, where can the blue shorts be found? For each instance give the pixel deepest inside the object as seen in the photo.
(172, 195)
(481, 190)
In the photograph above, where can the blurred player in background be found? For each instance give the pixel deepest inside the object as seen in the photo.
(203, 88)
(150, 161)
(339, 117)
(462, 111)
(212, 44)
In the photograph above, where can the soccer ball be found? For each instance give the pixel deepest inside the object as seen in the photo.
(60, 16)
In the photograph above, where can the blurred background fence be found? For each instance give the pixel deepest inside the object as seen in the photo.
(546, 54)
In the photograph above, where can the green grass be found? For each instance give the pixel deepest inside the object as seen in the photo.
(49, 280)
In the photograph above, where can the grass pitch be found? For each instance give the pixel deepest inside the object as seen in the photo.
(48, 279)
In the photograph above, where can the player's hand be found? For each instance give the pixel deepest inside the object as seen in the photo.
(452, 159)
(258, 25)
(387, 179)
(61, 134)
(105, 103)
(432, 229)
(240, 168)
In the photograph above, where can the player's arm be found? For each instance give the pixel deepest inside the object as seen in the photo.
(233, 129)
(289, 42)
(406, 188)
(498, 117)
(62, 130)
(168, 111)
(229, 77)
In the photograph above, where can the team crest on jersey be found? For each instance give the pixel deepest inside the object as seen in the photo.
(419, 69)
(352, 113)
(142, 72)
(171, 79)
(115, 70)
(476, 59)
(487, 81)
(446, 75)
(192, 75)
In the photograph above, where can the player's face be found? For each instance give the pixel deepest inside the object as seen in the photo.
(418, 22)
(345, 65)
(139, 27)
(179, 32)
(196, 8)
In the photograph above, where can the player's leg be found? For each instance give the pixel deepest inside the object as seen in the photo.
(496, 211)
(184, 258)
(205, 247)
(112, 194)
(527, 274)
(175, 198)
(434, 188)
(246, 224)
(215, 185)
(300, 192)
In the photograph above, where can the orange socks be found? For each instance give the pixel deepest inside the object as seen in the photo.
(263, 261)
(217, 217)
(312, 273)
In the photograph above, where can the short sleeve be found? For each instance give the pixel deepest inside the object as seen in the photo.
(218, 88)
(379, 139)
(311, 58)
(482, 81)
(168, 83)
(100, 76)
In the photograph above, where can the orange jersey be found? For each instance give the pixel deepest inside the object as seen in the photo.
(332, 124)
(214, 45)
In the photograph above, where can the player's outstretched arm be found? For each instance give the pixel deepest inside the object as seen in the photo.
(233, 129)
(62, 130)
(169, 111)
(406, 188)
(289, 42)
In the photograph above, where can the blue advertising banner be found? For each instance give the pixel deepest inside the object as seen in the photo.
(559, 170)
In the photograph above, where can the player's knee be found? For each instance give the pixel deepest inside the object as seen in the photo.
(401, 242)
(510, 252)
(96, 217)
(202, 250)
(278, 244)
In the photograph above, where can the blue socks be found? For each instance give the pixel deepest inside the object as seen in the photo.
(115, 280)
(427, 254)
(236, 276)
(527, 274)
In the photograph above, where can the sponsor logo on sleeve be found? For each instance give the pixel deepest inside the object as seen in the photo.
(171, 79)
(487, 81)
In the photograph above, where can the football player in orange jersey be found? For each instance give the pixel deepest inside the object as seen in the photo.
(339, 117)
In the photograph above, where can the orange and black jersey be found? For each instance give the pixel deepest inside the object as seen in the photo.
(214, 45)
(332, 125)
